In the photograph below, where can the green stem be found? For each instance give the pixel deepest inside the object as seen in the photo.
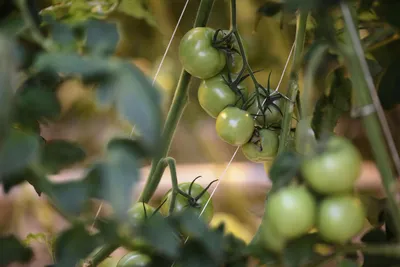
(174, 180)
(381, 250)
(178, 105)
(366, 96)
(293, 83)
(101, 255)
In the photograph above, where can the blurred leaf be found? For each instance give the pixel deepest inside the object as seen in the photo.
(390, 226)
(388, 10)
(300, 251)
(60, 32)
(310, 4)
(194, 254)
(377, 236)
(234, 251)
(59, 154)
(284, 169)
(38, 237)
(18, 150)
(389, 86)
(16, 178)
(13, 251)
(137, 9)
(101, 35)
(270, 9)
(12, 25)
(71, 196)
(160, 235)
(73, 245)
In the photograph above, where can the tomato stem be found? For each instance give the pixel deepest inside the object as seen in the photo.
(375, 123)
(178, 105)
(293, 89)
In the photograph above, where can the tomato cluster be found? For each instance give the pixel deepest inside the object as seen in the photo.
(242, 119)
(337, 213)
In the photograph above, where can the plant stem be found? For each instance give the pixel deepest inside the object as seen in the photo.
(293, 83)
(101, 255)
(178, 105)
(375, 122)
(381, 249)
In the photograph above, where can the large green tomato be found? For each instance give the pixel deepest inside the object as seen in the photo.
(198, 56)
(263, 147)
(340, 218)
(234, 126)
(271, 239)
(214, 95)
(182, 203)
(140, 212)
(134, 259)
(336, 169)
(272, 114)
(291, 211)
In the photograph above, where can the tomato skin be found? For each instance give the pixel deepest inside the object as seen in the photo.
(137, 212)
(197, 55)
(134, 259)
(214, 95)
(340, 218)
(182, 203)
(305, 140)
(336, 170)
(291, 211)
(272, 115)
(271, 239)
(235, 63)
(265, 150)
(234, 126)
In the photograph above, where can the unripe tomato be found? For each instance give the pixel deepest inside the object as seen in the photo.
(272, 240)
(340, 218)
(305, 137)
(215, 94)
(272, 114)
(336, 169)
(291, 211)
(134, 259)
(140, 212)
(234, 126)
(198, 56)
(264, 148)
(236, 60)
(182, 203)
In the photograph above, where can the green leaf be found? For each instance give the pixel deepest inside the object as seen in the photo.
(284, 169)
(59, 154)
(19, 150)
(13, 251)
(14, 179)
(12, 25)
(388, 92)
(101, 35)
(71, 196)
(74, 245)
(139, 103)
(116, 177)
(137, 9)
(301, 251)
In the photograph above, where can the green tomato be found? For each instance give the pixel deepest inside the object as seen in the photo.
(140, 212)
(291, 211)
(271, 239)
(235, 62)
(214, 95)
(134, 259)
(340, 218)
(263, 147)
(272, 114)
(234, 126)
(182, 203)
(198, 56)
(336, 169)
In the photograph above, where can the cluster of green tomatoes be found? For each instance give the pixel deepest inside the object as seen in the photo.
(322, 199)
(190, 195)
(242, 119)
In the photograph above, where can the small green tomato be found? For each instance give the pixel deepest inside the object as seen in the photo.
(263, 147)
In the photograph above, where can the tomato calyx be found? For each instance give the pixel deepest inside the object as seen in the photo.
(193, 200)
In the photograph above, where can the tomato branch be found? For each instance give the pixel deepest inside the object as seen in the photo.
(293, 89)
(374, 122)
(178, 105)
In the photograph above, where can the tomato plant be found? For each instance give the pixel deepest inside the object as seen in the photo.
(234, 126)
(215, 95)
(336, 169)
(134, 259)
(262, 147)
(272, 110)
(194, 199)
(197, 54)
(291, 211)
(340, 218)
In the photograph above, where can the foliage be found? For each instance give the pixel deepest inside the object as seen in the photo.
(72, 40)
